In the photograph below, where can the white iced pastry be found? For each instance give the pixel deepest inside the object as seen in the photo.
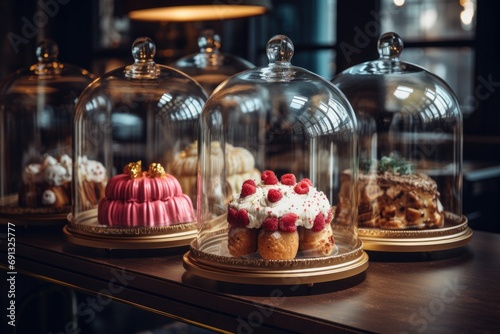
(278, 218)
(259, 206)
(41, 179)
(91, 181)
(239, 166)
(48, 197)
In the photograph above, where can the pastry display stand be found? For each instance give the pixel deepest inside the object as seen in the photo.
(213, 261)
(455, 233)
(87, 232)
(11, 212)
(277, 272)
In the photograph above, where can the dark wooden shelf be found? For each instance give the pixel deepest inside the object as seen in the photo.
(443, 292)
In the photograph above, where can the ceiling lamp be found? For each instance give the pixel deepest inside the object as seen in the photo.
(186, 11)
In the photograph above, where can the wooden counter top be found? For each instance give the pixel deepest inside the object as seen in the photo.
(455, 291)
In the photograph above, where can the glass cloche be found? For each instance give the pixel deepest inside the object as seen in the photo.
(131, 126)
(410, 162)
(210, 67)
(273, 143)
(36, 124)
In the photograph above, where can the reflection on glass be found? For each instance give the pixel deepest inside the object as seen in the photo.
(429, 20)
(453, 65)
(426, 20)
(410, 134)
(210, 66)
(36, 122)
(321, 30)
(402, 92)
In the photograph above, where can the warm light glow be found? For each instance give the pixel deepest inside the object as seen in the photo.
(428, 18)
(196, 13)
(467, 14)
(402, 92)
(399, 3)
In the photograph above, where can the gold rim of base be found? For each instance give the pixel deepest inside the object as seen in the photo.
(454, 234)
(11, 212)
(157, 241)
(276, 272)
(284, 277)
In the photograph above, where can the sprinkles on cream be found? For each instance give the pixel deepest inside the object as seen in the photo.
(273, 199)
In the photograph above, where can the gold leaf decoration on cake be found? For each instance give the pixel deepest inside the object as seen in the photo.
(156, 170)
(134, 169)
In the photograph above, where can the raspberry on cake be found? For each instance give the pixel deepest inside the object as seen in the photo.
(268, 177)
(288, 179)
(248, 188)
(144, 199)
(274, 195)
(278, 218)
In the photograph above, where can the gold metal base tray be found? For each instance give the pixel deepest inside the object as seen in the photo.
(346, 263)
(140, 242)
(85, 231)
(11, 212)
(454, 234)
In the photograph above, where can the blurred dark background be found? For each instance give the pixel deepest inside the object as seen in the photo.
(455, 39)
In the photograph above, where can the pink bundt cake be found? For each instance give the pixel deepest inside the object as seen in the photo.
(136, 199)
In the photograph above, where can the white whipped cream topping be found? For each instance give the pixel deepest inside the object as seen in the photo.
(48, 197)
(91, 170)
(56, 175)
(32, 174)
(49, 161)
(305, 206)
(66, 161)
(50, 170)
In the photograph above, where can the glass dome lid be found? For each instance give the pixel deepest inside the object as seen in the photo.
(410, 159)
(36, 120)
(130, 125)
(210, 67)
(273, 141)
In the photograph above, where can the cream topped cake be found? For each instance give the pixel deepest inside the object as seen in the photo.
(47, 184)
(91, 181)
(274, 216)
(392, 197)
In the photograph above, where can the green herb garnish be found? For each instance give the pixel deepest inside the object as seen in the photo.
(391, 164)
(396, 165)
